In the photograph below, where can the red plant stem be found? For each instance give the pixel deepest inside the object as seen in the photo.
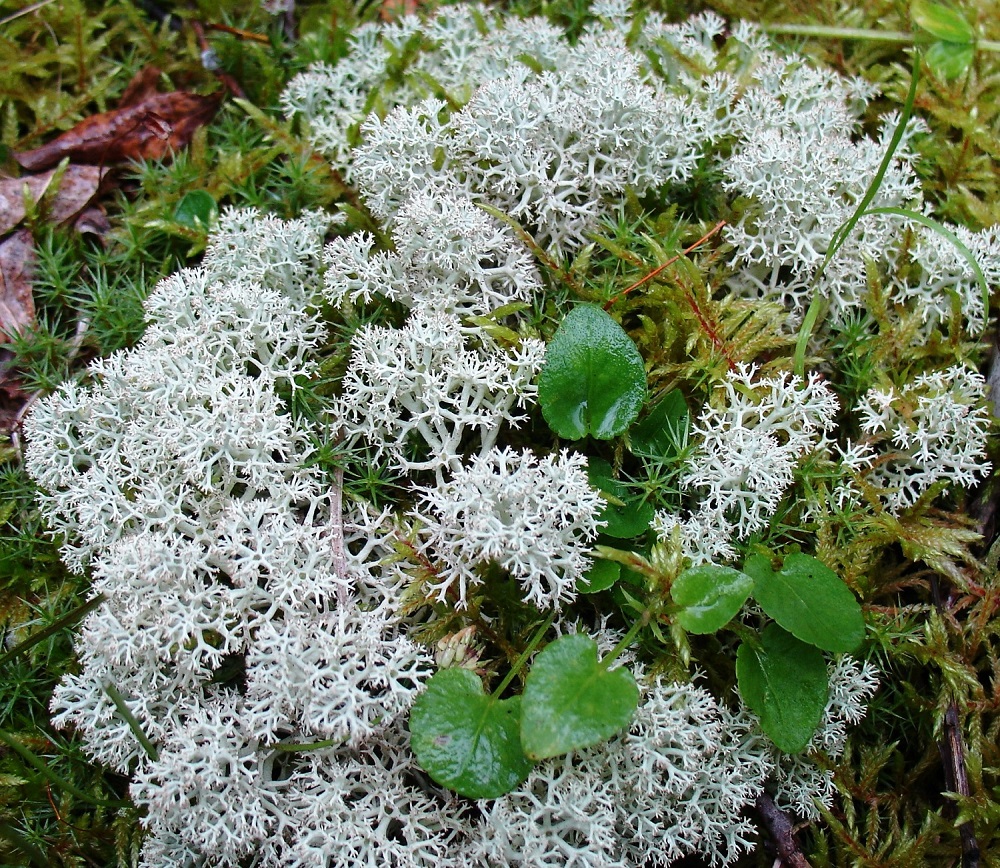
(707, 328)
(667, 264)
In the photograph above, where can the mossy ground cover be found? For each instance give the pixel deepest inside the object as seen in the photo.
(929, 581)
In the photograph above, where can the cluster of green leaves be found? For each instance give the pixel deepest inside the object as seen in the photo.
(484, 746)
(593, 384)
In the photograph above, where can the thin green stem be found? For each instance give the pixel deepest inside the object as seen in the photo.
(822, 31)
(54, 627)
(311, 745)
(843, 232)
(627, 639)
(130, 719)
(899, 37)
(525, 654)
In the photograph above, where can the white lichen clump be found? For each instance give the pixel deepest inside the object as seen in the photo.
(745, 458)
(933, 430)
(534, 518)
(248, 611)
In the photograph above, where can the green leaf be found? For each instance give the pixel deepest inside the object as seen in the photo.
(950, 60)
(601, 576)
(809, 600)
(465, 740)
(628, 518)
(663, 432)
(593, 380)
(710, 596)
(784, 682)
(571, 701)
(942, 22)
(196, 210)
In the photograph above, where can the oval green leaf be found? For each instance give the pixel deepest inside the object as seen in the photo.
(950, 60)
(784, 682)
(571, 701)
(465, 740)
(809, 600)
(593, 380)
(627, 518)
(601, 576)
(942, 22)
(709, 596)
(196, 210)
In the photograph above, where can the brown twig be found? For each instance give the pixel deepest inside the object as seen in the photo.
(782, 832)
(242, 34)
(210, 60)
(660, 268)
(953, 756)
(952, 749)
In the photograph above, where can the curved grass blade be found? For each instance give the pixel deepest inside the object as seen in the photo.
(54, 627)
(844, 230)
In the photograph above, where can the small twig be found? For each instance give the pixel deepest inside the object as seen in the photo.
(952, 749)
(782, 832)
(27, 10)
(953, 756)
(242, 34)
(339, 549)
(667, 264)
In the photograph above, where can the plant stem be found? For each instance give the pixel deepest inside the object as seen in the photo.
(898, 36)
(54, 627)
(637, 625)
(843, 232)
(30, 758)
(822, 31)
(130, 719)
(525, 654)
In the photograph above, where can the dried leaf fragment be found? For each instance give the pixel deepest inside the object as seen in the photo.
(151, 129)
(144, 84)
(17, 260)
(77, 188)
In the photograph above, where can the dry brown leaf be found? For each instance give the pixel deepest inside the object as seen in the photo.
(151, 129)
(93, 221)
(17, 260)
(144, 84)
(79, 185)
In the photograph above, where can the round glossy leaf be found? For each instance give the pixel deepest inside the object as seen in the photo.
(593, 380)
(784, 682)
(601, 576)
(465, 740)
(709, 596)
(809, 600)
(623, 520)
(571, 701)
(196, 210)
